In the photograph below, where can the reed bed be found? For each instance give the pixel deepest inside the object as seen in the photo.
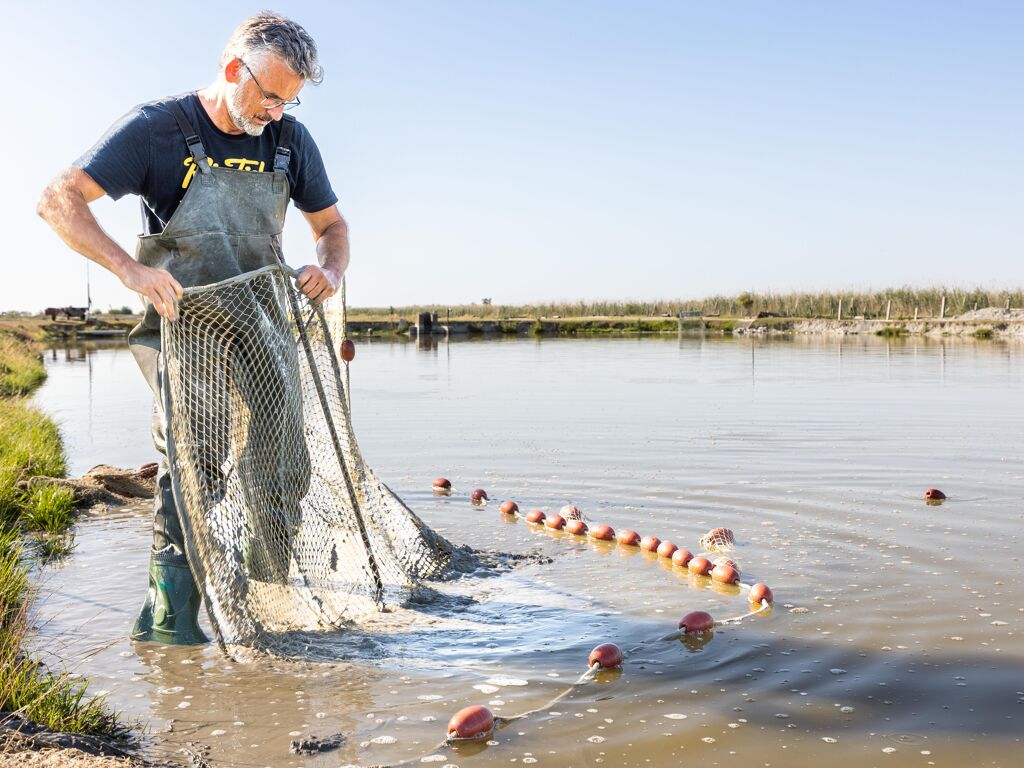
(902, 303)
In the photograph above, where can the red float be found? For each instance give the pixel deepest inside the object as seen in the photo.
(666, 549)
(535, 516)
(509, 508)
(650, 543)
(606, 655)
(760, 592)
(479, 496)
(682, 557)
(575, 527)
(555, 522)
(602, 533)
(725, 574)
(934, 494)
(474, 722)
(442, 485)
(700, 565)
(697, 621)
(348, 350)
(629, 538)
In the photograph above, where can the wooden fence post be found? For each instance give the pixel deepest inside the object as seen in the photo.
(888, 309)
(942, 310)
(839, 316)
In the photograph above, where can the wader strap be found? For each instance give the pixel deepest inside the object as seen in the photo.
(283, 155)
(195, 145)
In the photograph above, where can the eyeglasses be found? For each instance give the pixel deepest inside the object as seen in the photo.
(271, 102)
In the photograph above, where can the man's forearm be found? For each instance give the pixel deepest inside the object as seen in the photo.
(332, 248)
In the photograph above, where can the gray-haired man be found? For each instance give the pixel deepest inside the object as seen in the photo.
(205, 218)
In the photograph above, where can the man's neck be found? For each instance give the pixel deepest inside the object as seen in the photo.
(214, 101)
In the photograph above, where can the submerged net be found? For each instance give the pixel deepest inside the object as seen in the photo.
(286, 529)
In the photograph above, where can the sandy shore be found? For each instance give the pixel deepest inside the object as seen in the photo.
(61, 758)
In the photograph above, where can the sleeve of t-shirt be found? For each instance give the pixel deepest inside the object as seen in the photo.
(120, 160)
(311, 188)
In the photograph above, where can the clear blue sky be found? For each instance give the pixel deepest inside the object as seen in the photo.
(557, 150)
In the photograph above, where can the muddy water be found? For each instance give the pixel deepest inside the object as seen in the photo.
(896, 638)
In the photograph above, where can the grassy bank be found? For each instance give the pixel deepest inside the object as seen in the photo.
(902, 303)
(34, 523)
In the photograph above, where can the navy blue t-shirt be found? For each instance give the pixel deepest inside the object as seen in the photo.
(144, 154)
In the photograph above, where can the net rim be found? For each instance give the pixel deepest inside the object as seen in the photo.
(243, 277)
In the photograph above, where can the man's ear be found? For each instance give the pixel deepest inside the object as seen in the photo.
(233, 70)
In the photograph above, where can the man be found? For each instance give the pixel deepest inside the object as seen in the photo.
(214, 170)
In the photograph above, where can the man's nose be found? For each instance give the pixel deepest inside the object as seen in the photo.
(276, 112)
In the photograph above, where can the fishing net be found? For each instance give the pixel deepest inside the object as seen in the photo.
(286, 529)
(718, 540)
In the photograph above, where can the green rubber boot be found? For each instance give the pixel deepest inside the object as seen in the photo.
(171, 612)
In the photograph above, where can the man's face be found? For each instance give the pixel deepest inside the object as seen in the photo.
(247, 103)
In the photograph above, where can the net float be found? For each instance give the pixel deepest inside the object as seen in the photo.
(934, 494)
(700, 565)
(682, 557)
(348, 350)
(509, 508)
(629, 538)
(725, 574)
(442, 485)
(535, 516)
(697, 621)
(576, 527)
(148, 470)
(571, 512)
(650, 543)
(606, 655)
(555, 522)
(479, 496)
(666, 549)
(602, 533)
(474, 722)
(760, 592)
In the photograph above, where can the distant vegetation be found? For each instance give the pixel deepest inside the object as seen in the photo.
(927, 302)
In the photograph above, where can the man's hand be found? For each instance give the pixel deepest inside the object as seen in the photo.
(157, 285)
(318, 283)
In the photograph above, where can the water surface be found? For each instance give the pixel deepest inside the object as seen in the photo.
(896, 636)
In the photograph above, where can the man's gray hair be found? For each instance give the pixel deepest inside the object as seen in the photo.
(269, 32)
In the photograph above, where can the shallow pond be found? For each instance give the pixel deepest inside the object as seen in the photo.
(896, 635)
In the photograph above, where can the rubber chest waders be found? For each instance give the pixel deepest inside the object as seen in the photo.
(228, 222)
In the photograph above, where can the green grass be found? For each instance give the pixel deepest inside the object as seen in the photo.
(29, 440)
(30, 446)
(983, 333)
(892, 330)
(21, 370)
(48, 508)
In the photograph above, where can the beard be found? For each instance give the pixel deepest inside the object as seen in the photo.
(244, 122)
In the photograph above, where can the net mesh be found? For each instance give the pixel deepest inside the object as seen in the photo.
(286, 529)
(718, 540)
